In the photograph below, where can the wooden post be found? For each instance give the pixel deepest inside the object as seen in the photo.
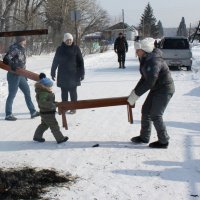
(130, 114)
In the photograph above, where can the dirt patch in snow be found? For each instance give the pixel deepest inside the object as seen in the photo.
(31, 183)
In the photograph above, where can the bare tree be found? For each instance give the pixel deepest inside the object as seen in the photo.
(93, 17)
(5, 9)
(56, 15)
(59, 18)
(26, 13)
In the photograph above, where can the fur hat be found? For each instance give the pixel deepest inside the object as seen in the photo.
(45, 81)
(67, 36)
(20, 39)
(146, 45)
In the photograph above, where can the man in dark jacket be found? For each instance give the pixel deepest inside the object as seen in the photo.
(16, 58)
(155, 77)
(69, 61)
(121, 47)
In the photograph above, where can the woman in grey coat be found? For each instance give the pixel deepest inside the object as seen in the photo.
(156, 78)
(69, 62)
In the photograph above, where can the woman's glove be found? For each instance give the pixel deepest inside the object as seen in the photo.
(132, 98)
(82, 77)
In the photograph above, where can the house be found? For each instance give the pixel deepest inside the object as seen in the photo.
(112, 32)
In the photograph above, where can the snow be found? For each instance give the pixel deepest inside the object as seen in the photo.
(117, 169)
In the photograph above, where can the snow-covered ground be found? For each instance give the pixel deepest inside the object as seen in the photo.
(117, 169)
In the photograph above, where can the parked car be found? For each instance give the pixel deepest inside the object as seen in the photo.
(176, 52)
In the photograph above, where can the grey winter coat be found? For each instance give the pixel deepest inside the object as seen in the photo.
(70, 64)
(156, 76)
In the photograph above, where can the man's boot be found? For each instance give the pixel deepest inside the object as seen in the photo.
(120, 65)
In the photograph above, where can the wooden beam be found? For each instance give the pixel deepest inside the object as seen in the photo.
(24, 33)
(19, 71)
(93, 103)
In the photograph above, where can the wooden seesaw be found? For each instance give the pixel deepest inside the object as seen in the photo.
(93, 103)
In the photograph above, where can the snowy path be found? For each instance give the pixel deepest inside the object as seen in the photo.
(117, 169)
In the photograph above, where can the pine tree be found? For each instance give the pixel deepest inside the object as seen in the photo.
(160, 29)
(182, 30)
(147, 26)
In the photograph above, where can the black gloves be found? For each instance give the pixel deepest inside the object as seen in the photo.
(53, 76)
(82, 77)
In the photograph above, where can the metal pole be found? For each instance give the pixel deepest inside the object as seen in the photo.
(143, 27)
(75, 19)
(123, 19)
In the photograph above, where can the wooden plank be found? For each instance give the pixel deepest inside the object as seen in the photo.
(19, 71)
(93, 103)
(24, 33)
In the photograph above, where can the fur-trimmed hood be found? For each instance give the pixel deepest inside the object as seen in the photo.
(41, 87)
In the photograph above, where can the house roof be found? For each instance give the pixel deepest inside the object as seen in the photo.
(120, 26)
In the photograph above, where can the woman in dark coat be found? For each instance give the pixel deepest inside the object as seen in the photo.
(69, 61)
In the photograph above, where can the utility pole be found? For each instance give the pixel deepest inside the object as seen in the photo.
(123, 20)
(75, 16)
(189, 31)
(76, 29)
(143, 27)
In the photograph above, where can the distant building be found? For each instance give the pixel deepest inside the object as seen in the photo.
(93, 36)
(112, 32)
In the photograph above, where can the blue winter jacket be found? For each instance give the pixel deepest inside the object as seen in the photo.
(15, 57)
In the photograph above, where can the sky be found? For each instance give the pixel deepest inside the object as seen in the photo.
(168, 12)
(117, 169)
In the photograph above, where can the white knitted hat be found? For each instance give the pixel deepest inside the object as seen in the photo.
(146, 45)
(67, 36)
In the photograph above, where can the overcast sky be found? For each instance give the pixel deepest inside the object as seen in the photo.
(169, 12)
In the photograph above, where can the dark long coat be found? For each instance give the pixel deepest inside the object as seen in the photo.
(70, 64)
(121, 44)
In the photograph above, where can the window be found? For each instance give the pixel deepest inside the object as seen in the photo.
(175, 44)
